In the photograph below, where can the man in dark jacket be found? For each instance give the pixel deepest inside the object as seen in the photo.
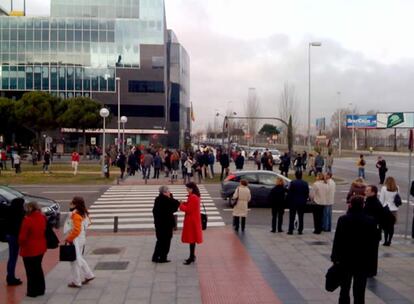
(297, 197)
(277, 200)
(374, 209)
(15, 215)
(382, 169)
(354, 248)
(225, 163)
(164, 207)
(239, 162)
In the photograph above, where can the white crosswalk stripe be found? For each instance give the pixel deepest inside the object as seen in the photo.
(133, 207)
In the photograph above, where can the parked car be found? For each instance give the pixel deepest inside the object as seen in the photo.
(260, 184)
(50, 208)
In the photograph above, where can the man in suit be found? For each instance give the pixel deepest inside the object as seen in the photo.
(297, 196)
(354, 249)
(164, 207)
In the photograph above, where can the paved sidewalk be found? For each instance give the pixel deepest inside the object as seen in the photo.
(252, 267)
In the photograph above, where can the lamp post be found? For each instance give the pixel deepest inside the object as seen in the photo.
(353, 128)
(339, 125)
(104, 113)
(315, 43)
(118, 81)
(124, 120)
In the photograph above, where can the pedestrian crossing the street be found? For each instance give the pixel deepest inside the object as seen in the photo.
(133, 207)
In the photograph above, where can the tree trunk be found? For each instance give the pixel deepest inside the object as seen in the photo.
(290, 135)
(84, 143)
(38, 135)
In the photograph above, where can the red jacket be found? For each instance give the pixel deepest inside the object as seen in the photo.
(75, 157)
(192, 232)
(32, 239)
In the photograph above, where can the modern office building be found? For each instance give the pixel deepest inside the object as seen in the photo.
(106, 50)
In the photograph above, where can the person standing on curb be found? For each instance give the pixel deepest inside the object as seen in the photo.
(327, 210)
(277, 199)
(361, 166)
(192, 233)
(211, 161)
(239, 162)
(32, 242)
(46, 161)
(373, 208)
(329, 162)
(225, 163)
(320, 194)
(387, 198)
(319, 163)
(298, 194)
(382, 169)
(75, 162)
(75, 231)
(188, 167)
(243, 196)
(353, 250)
(121, 163)
(17, 162)
(146, 164)
(15, 217)
(157, 162)
(164, 207)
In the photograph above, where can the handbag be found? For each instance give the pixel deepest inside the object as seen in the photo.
(204, 218)
(67, 253)
(397, 200)
(233, 202)
(334, 277)
(52, 240)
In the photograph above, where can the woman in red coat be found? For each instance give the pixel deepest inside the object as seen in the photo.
(32, 243)
(192, 232)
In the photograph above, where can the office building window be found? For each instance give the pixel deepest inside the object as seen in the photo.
(136, 86)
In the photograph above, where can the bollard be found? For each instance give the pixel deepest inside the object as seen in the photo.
(115, 224)
(117, 180)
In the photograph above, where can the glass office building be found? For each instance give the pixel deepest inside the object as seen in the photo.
(83, 47)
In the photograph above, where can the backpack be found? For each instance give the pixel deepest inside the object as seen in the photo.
(362, 162)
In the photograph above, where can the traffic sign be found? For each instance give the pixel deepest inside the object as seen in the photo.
(49, 140)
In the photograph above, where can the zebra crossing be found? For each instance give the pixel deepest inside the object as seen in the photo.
(133, 207)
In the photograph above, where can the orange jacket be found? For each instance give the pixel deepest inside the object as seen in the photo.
(77, 220)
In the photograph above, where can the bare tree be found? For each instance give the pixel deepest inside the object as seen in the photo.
(288, 104)
(252, 110)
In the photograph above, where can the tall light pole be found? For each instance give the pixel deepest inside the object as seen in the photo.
(104, 113)
(353, 128)
(118, 81)
(124, 120)
(315, 43)
(339, 125)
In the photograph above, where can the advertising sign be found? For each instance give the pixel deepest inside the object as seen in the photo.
(401, 120)
(361, 121)
(320, 124)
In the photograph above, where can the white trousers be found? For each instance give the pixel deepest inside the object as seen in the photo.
(75, 167)
(80, 269)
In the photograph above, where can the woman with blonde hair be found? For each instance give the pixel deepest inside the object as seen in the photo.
(320, 195)
(277, 200)
(387, 198)
(357, 188)
(243, 196)
(75, 231)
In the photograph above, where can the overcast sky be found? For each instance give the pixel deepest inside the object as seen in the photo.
(367, 52)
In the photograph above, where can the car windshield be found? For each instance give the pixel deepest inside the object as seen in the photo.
(9, 193)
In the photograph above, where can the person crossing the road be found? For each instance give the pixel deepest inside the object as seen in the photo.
(382, 169)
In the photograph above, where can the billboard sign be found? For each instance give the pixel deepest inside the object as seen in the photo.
(361, 121)
(395, 120)
(320, 124)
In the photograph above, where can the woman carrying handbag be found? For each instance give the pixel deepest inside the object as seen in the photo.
(243, 196)
(75, 231)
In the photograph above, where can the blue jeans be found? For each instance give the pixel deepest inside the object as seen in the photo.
(327, 218)
(146, 171)
(13, 255)
(361, 172)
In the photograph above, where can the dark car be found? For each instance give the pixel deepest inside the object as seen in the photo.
(260, 184)
(50, 208)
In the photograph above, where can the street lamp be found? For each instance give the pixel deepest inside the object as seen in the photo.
(104, 113)
(339, 125)
(124, 120)
(353, 146)
(118, 81)
(315, 43)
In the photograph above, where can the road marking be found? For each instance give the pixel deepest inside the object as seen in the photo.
(77, 191)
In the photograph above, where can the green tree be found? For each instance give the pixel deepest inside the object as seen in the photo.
(290, 134)
(269, 130)
(37, 112)
(80, 113)
(7, 117)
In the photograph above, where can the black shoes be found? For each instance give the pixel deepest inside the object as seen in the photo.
(164, 261)
(386, 244)
(273, 231)
(189, 261)
(14, 282)
(290, 232)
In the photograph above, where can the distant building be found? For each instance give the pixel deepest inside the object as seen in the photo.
(85, 46)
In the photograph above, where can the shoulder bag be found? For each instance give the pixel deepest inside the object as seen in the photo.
(334, 277)
(397, 200)
(204, 218)
(67, 253)
(52, 240)
(234, 201)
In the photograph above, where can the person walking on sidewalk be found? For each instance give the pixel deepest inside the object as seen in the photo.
(75, 162)
(46, 161)
(361, 166)
(327, 210)
(354, 249)
(211, 161)
(121, 163)
(188, 167)
(157, 162)
(243, 197)
(298, 194)
(225, 163)
(15, 215)
(17, 162)
(382, 169)
(75, 231)
(192, 233)
(387, 197)
(277, 200)
(239, 162)
(320, 195)
(164, 207)
(175, 164)
(319, 163)
(32, 242)
(374, 209)
(146, 164)
(329, 162)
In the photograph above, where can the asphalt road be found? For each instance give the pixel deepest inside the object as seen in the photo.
(344, 168)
